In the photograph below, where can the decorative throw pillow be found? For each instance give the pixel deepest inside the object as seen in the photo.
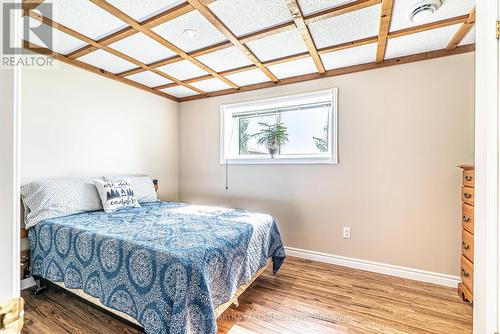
(116, 195)
(52, 198)
(144, 189)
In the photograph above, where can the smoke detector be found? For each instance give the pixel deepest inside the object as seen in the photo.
(423, 10)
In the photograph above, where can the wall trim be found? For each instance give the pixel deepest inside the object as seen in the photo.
(376, 267)
(27, 283)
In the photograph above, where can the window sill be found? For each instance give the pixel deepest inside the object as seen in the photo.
(281, 161)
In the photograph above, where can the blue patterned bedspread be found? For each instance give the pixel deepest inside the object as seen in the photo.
(168, 265)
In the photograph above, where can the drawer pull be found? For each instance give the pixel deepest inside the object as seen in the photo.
(466, 219)
(467, 195)
(468, 178)
(464, 273)
(465, 246)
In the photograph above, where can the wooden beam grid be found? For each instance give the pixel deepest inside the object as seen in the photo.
(300, 22)
(325, 14)
(148, 32)
(223, 29)
(338, 47)
(340, 71)
(90, 41)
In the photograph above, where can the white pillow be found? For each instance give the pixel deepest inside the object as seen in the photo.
(143, 187)
(116, 195)
(52, 198)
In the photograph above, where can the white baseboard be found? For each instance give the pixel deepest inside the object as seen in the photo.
(27, 283)
(377, 267)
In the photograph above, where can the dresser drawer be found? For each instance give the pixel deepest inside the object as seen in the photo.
(467, 273)
(468, 217)
(468, 195)
(468, 177)
(468, 245)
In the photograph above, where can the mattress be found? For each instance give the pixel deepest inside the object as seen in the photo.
(166, 265)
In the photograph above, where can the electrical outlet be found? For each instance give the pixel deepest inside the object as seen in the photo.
(347, 233)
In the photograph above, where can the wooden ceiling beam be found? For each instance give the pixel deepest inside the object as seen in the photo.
(145, 30)
(428, 26)
(340, 10)
(93, 69)
(339, 71)
(464, 29)
(385, 23)
(152, 22)
(338, 47)
(219, 25)
(30, 5)
(281, 60)
(90, 41)
(298, 18)
(260, 34)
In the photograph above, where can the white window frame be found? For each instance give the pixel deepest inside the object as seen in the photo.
(227, 110)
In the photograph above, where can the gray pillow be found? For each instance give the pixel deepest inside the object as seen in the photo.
(144, 189)
(45, 199)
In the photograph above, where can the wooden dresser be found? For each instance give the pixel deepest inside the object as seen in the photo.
(466, 287)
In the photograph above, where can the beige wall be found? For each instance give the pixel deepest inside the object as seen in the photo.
(402, 132)
(75, 123)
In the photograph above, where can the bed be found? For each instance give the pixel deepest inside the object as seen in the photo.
(169, 267)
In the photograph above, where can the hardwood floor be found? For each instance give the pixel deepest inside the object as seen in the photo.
(305, 297)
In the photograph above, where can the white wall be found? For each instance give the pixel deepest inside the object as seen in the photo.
(402, 132)
(76, 123)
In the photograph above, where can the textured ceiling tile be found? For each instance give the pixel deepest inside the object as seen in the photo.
(179, 91)
(107, 61)
(421, 42)
(225, 59)
(276, 46)
(243, 16)
(346, 28)
(149, 79)
(144, 9)
(248, 77)
(183, 69)
(173, 31)
(449, 8)
(314, 6)
(143, 48)
(86, 18)
(293, 68)
(348, 57)
(211, 85)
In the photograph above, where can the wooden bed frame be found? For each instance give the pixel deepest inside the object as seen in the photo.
(42, 285)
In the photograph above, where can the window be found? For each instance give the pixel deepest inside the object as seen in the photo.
(309, 120)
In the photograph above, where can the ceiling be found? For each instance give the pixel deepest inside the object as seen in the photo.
(241, 44)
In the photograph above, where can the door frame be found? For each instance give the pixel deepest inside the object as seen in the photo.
(487, 134)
